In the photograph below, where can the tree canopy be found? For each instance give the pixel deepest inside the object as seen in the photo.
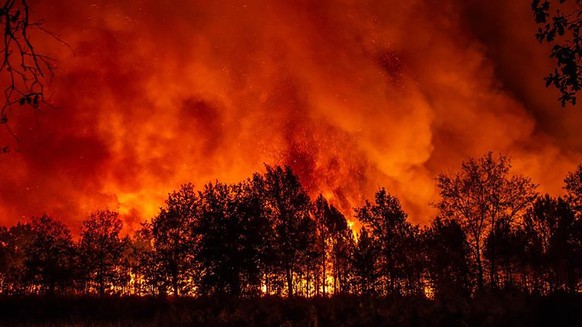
(559, 25)
(266, 236)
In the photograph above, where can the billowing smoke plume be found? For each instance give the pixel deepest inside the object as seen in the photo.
(352, 94)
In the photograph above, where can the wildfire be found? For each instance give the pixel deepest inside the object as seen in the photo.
(352, 95)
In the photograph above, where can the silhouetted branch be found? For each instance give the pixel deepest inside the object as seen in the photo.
(562, 29)
(23, 70)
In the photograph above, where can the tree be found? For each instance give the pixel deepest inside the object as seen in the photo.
(4, 254)
(364, 263)
(560, 22)
(343, 244)
(321, 214)
(319, 207)
(334, 240)
(252, 228)
(552, 222)
(340, 238)
(149, 278)
(447, 253)
(388, 225)
(480, 195)
(15, 243)
(287, 207)
(49, 257)
(174, 240)
(573, 188)
(232, 230)
(22, 68)
(101, 251)
(508, 245)
(219, 242)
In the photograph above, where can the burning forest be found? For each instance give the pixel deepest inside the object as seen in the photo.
(353, 96)
(291, 149)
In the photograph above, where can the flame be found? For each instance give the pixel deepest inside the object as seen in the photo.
(354, 95)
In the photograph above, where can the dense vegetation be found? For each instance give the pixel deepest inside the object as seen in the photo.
(265, 236)
(262, 252)
(559, 24)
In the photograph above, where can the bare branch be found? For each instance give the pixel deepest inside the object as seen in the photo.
(23, 71)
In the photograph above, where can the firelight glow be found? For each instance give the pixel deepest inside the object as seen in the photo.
(353, 95)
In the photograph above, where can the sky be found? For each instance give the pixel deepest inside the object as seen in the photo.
(354, 95)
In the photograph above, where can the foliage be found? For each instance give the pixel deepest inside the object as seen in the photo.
(396, 238)
(560, 22)
(364, 264)
(265, 236)
(48, 262)
(447, 257)
(573, 188)
(232, 240)
(552, 224)
(287, 207)
(478, 197)
(174, 242)
(333, 237)
(101, 250)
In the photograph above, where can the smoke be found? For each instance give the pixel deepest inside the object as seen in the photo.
(354, 95)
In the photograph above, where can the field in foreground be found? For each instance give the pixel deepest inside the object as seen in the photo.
(499, 309)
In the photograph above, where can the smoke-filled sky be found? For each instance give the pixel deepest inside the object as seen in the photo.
(353, 94)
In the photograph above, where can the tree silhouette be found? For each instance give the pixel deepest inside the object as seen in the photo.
(560, 22)
(252, 232)
(231, 231)
(480, 195)
(174, 240)
(334, 240)
(15, 242)
(364, 263)
(149, 277)
(573, 188)
(320, 211)
(389, 226)
(135, 248)
(341, 244)
(553, 223)
(101, 250)
(4, 254)
(265, 236)
(216, 252)
(287, 206)
(321, 214)
(507, 245)
(234, 247)
(23, 69)
(447, 253)
(49, 256)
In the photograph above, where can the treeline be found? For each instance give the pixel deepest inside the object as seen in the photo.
(266, 236)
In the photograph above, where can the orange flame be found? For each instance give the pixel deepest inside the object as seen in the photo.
(353, 95)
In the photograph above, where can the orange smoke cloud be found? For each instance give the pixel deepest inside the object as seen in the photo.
(353, 95)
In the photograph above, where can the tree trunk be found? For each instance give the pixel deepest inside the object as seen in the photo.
(324, 272)
(101, 279)
(492, 268)
(479, 266)
(175, 283)
(289, 276)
